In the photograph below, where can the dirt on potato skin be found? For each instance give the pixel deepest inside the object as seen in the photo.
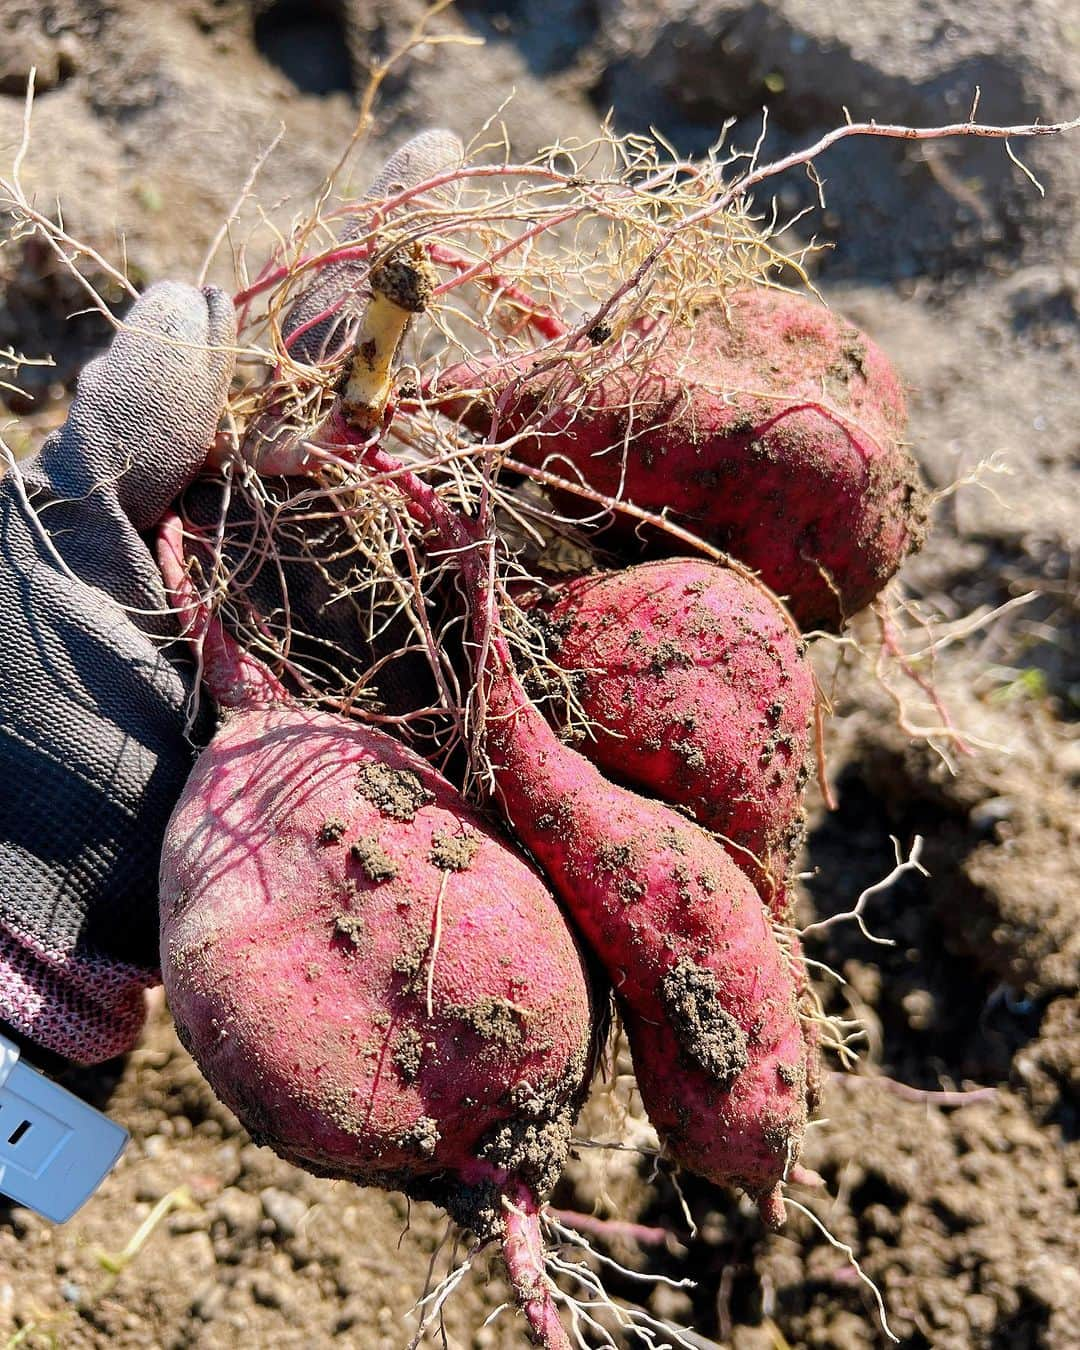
(149, 118)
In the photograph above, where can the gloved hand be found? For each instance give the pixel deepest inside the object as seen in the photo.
(93, 698)
(94, 687)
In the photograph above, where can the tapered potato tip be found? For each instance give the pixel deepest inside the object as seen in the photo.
(771, 1208)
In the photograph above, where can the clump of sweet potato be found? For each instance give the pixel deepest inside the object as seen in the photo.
(769, 426)
(694, 690)
(708, 994)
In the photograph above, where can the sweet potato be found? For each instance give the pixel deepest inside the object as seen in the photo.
(708, 997)
(770, 427)
(370, 977)
(696, 692)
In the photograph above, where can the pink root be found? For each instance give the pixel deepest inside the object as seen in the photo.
(540, 317)
(907, 1093)
(806, 1176)
(613, 1230)
(523, 1252)
(235, 679)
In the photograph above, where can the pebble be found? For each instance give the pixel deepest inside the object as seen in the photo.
(239, 1210)
(189, 1221)
(671, 1305)
(990, 813)
(227, 1162)
(285, 1211)
(208, 1302)
(257, 1161)
(921, 1009)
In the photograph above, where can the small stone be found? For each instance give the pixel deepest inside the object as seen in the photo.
(920, 1008)
(258, 1162)
(70, 1292)
(265, 1290)
(228, 1251)
(672, 1305)
(988, 814)
(228, 1163)
(189, 1221)
(203, 1187)
(284, 1210)
(208, 1302)
(238, 1210)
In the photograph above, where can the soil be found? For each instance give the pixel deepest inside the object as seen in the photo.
(963, 1209)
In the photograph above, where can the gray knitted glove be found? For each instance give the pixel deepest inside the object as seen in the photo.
(92, 695)
(93, 753)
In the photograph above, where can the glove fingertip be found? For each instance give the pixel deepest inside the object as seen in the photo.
(221, 314)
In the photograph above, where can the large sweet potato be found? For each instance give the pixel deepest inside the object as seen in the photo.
(366, 973)
(769, 426)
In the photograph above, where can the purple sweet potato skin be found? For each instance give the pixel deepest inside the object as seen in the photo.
(697, 692)
(305, 874)
(771, 427)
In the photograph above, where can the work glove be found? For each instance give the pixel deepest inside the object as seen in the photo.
(94, 686)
